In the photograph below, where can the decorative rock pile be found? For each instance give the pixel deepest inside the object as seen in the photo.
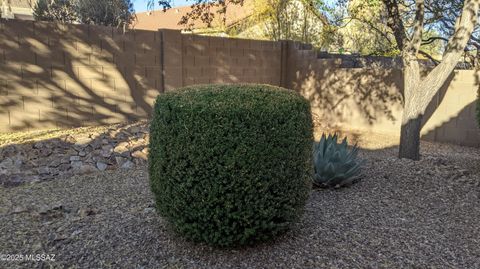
(123, 147)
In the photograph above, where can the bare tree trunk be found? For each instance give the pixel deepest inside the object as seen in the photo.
(418, 92)
(412, 116)
(410, 139)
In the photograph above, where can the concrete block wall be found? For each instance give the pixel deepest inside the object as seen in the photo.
(452, 116)
(192, 59)
(224, 60)
(54, 75)
(370, 99)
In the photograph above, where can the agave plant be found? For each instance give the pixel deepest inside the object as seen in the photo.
(335, 165)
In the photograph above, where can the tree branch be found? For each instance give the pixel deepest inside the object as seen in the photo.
(463, 30)
(394, 21)
(432, 39)
(435, 62)
(416, 40)
(311, 6)
(373, 27)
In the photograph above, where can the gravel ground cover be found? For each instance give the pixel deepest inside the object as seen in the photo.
(402, 214)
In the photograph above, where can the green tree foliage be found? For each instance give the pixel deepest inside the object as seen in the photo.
(63, 11)
(117, 13)
(105, 12)
(203, 10)
(360, 29)
(231, 164)
(442, 19)
(297, 20)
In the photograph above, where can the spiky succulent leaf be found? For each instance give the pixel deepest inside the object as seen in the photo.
(335, 165)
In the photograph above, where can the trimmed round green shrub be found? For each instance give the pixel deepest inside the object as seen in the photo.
(231, 165)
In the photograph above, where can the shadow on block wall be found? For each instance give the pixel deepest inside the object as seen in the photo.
(437, 100)
(451, 117)
(370, 99)
(54, 75)
(460, 129)
(353, 98)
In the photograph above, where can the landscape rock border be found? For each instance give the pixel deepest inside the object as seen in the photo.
(124, 146)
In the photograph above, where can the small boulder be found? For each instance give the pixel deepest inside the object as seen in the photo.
(74, 158)
(128, 165)
(102, 166)
(140, 155)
